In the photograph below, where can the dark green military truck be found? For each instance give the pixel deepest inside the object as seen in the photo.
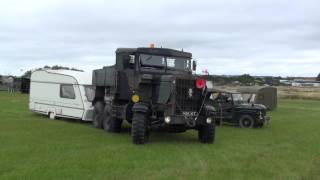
(232, 108)
(153, 88)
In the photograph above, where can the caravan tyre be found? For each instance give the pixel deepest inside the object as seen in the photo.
(52, 115)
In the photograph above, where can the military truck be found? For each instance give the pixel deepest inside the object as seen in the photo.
(153, 89)
(232, 108)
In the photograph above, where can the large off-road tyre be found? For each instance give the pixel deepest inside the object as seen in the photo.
(246, 121)
(129, 113)
(110, 123)
(218, 122)
(206, 133)
(98, 114)
(139, 131)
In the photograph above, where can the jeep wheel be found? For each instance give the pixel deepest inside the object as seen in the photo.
(97, 115)
(206, 133)
(258, 124)
(246, 121)
(109, 123)
(139, 128)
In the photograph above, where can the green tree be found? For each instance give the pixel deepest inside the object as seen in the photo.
(246, 79)
(55, 67)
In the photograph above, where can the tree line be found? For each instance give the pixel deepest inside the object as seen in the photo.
(55, 67)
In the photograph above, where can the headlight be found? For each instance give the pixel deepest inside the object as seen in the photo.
(209, 120)
(135, 98)
(167, 119)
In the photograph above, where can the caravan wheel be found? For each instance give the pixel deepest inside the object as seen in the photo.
(52, 115)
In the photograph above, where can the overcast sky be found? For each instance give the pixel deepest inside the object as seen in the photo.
(259, 37)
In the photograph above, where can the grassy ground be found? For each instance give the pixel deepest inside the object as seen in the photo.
(34, 147)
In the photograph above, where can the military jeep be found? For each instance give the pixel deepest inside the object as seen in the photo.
(231, 108)
(153, 89)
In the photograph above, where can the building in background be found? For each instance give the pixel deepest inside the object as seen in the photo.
(305, 83)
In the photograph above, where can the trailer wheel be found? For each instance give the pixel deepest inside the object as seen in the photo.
(52, 115)
(206, 133)
(110, 123)
(246, 121)
(98, 115)
(139, 130)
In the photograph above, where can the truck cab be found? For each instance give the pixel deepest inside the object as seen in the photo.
(153, 88)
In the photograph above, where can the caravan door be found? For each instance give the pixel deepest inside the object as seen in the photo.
(70, 102)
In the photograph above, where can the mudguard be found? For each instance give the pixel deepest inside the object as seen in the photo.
(210, 110)
(140, 107)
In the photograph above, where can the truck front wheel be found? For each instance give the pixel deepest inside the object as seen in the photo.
(139, 130)
(206, 133)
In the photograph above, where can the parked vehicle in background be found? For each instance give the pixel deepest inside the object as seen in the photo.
(62, 93)
(231, 108)
(153, 88)
(25, 85)
(266, 95)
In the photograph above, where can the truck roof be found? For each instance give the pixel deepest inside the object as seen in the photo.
(156, 51)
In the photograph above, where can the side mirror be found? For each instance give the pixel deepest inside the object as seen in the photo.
(131, 59)
(194, 65)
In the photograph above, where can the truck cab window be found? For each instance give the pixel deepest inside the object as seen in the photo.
(67, 91)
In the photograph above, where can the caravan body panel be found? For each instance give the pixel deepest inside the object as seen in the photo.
(60, 92)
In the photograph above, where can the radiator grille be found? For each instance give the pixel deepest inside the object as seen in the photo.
(188, 97)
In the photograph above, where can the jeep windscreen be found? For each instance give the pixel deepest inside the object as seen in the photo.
(89, 92)
(249, 98)
(172, 63)
(237, 98)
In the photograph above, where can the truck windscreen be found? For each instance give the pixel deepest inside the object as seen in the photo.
(175, 63)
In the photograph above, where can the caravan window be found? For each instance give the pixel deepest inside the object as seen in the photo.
(90, 91)
(67, 91)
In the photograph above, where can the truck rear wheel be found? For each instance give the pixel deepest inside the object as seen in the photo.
(98, 115)
(139, 128)
(246, 121)
(110, 123)
(206, 133)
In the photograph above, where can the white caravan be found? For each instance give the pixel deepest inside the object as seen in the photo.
(62, 93)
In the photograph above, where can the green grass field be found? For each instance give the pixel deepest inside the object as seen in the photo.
(34, 147)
